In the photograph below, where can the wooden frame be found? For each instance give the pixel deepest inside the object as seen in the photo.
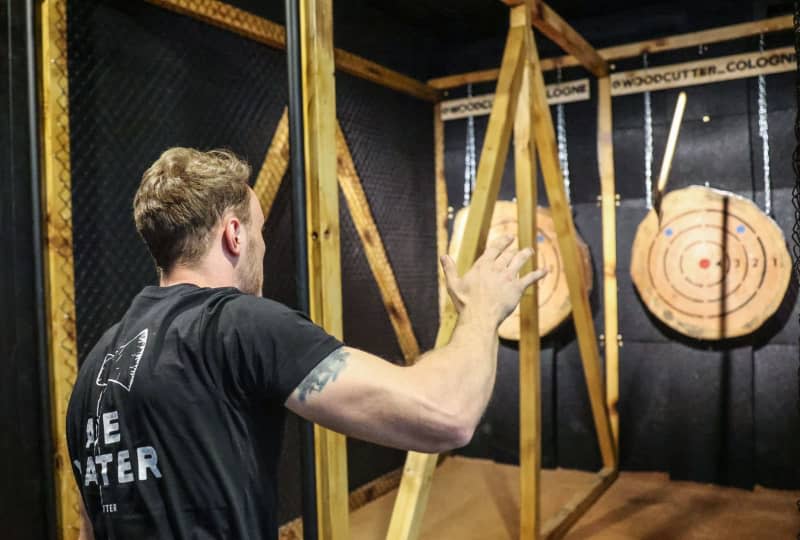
(629, 50)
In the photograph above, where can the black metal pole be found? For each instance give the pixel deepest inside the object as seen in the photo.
(298, 174)
(34, 157)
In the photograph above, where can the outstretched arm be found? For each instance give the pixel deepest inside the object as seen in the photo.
(435, 404)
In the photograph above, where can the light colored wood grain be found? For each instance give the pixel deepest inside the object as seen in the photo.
(60, 270)
(257, 28)
(274, 167)
(565, 229)
(672, 141)
(441, 202)
(605, 163)
(324, 265)
(530, 418)
(581, 502)
(417, 476)
(374, 249)
(629, 50)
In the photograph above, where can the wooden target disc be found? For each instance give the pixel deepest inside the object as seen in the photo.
(713, 267)
(554, 303)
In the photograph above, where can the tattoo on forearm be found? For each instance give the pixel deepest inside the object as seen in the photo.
(325, 372)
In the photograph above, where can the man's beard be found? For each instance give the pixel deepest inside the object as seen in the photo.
(250, 275)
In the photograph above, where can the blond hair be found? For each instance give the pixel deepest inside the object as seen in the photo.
(182, 197)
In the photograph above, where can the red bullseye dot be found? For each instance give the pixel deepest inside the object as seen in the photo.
(705, 263)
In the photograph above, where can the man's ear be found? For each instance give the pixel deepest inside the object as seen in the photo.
(232, 236)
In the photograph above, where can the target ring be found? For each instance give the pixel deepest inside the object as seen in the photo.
(554, 302)
(713, 267)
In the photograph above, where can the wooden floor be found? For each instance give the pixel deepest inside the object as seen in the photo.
(478, 500)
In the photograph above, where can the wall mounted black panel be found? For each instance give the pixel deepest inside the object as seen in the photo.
(777, 422)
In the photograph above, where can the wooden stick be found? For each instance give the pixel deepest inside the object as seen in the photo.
(672, 141)
(630, 50)
(60, 270)
(605, 162)
(568, 246)
(558, 525)
(530, 418)
(324, 266)
(550, 23)
(374, 249)
(274, 167)
(441, 202)
(412, 497)
(269, 33)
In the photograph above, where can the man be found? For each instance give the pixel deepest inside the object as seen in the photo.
(174, 426)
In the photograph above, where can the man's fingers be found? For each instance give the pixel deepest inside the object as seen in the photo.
(497, 246)
(532, 278)
(519, 260)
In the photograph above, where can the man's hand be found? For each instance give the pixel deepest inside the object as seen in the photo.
(492, 288)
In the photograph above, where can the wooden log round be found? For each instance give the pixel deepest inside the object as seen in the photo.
(554, 303)
(714, 266)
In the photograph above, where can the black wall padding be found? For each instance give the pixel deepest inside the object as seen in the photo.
(143, 79)
(390, 137)
(723, 412)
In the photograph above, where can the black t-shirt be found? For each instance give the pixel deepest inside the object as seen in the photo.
(174, 425)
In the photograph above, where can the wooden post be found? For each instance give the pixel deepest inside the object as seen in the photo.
(274, 167)
(60, 270)
(565, 230)
(605, 162)
(412, 496)
(530, 418)
(325, 280)
(374, 250)
(441, 202)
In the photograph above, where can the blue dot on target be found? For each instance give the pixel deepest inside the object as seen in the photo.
(540, 238)
(668, 233)
(740, 229)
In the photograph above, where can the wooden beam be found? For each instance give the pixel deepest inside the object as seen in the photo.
(558, 525)
(374, 249)
(412, 496)
(324, 265)
(258, 29)
(629, 50)
(274, 167)
(605, 162)
(570, 253)
(59, 267)
(441, 202)
(550, 23)
(530, 398)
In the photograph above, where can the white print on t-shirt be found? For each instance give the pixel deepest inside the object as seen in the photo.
(120, 367)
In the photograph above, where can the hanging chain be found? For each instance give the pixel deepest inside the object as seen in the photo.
(796, 166)
(561, 136)
(648, 145)
(469, 156)
(763, 133)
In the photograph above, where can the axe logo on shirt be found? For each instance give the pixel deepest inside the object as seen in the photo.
(120, 367)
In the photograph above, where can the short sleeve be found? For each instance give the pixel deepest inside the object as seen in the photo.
(270, 347)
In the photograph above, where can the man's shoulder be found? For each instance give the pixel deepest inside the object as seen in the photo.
(243, 308)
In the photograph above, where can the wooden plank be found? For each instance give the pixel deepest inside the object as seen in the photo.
(558, 525)
(565, 229)
(550, 23)
(325, 280)
(441, 202)
(605, 162)
(60, 270)
(374, 249)
(530, 398)
(672, 142)
(412, 497)
(617, 52)
(274, 167)
(273, 35)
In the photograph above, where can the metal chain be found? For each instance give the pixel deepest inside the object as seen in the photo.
(763, 133)
(561, 136)
(648, 144)
(469, 156)
(796, 165)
